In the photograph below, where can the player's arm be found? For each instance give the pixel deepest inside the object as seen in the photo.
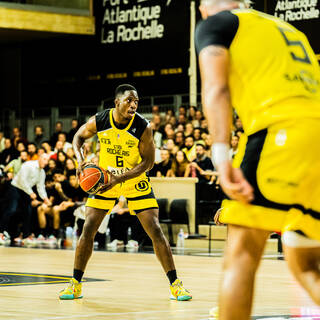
(214, 69)
(86, 131)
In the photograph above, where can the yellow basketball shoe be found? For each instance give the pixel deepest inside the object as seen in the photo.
(72, 291)
(178, 292)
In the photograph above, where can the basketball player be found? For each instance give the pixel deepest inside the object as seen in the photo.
(266, 69)
(127, 152)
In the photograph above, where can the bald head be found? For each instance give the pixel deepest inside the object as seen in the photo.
(211, 7)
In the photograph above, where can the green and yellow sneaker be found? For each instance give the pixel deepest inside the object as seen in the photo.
(178, 292)
(72, 291)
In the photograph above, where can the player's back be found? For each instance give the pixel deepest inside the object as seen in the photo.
(271, 63)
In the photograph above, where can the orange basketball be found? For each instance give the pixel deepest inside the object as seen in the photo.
(92, 177)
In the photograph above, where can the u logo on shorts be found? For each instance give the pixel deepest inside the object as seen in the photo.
(142, 186)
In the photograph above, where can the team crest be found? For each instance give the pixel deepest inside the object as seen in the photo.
(142, 186)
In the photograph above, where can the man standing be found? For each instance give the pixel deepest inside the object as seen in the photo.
(20, 194)
(267, 70)
(127, 152)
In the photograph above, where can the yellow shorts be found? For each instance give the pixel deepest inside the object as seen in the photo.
(137, 191)
(282, 163)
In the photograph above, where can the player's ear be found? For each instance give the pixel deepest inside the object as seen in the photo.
(116, 101)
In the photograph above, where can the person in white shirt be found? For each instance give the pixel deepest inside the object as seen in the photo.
(20, 195)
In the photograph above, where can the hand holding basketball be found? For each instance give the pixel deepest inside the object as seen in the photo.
(92, 178)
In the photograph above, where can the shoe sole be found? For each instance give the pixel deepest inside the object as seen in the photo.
(181, 298)
(69, 297)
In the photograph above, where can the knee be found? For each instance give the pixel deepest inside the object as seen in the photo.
(156, 233)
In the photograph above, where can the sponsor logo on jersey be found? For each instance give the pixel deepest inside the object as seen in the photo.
(142, 186)
(105, 141)
(130, 143)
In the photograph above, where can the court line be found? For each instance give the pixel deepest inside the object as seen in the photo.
(117, 314)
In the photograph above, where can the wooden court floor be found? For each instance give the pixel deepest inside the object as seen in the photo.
(136, 287)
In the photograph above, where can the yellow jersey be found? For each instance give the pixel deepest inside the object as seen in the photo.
(119, 148)
(274, 74)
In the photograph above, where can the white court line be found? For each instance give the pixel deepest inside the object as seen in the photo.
(118, 314)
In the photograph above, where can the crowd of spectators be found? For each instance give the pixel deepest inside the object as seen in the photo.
(43, 212)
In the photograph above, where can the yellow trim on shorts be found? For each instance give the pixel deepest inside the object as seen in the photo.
(100, 203)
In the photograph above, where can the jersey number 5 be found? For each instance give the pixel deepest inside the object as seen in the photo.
(119, 161)
(305, 58)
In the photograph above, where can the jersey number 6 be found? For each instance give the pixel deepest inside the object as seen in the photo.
(119, 161)
(305, 58)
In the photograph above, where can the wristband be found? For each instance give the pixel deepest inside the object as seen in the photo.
(220, 153)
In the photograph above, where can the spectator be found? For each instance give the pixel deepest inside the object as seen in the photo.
(179, 139)
(40, 151)
(87, 150)
(239, 132)
(20, 195)
(204, 125)
(173, 121)
(70, 166)
(71, 155)
(58, 129)
(58, 147)
(162, 168)
(156, 119)
(171, 147)
(202, 164)
(180, 166)
(190, 148)
(17, 137)
(21, 146)
(180, 128)
(238, 124)
(182, 110)
(234, 147)
(155, 110)
(66, 145)
(192, 113)
(32, 151)
(9, 153)
(46, 146)
(182, 119)
(61, 160)
(2, 141)
(157, 136)
(74, 128)
(169, 114)
(14, 166)
(38, 136)
(188, 129)
(52, 166)
(197, 134)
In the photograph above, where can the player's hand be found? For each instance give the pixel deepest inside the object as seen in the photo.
(234, 183)
(81, 166)
(216, 217)
(112, 181)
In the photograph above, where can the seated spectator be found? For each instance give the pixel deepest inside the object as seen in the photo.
(169, 114)
(14, 166)
(58, 199)
(239, 132)
(32, 151)
(20, 195)
(180, 128)
(61, 160)
(58, 129)
(208, 143)
(156, 119)
(179, 139)
(238, 124)
(74, 128)
(155, 110)
(182, 111)
(40, 151)
(70, 166)
(171, 147)
(192, 113)
(38, 136)
(87, 151)
(234, 147)
(188, 129)
(190, 148)
(46, 146)
(2, 141)
(204, 125)
(202, 164)
(161, 169)
(62, 136)
(21, 147)
(197, 134)
(182, 119)
(17, 137)
(71, 155)
(9, 153)
(199, 117)
(157, 136)
(173, 121)
(50, 169)
(58, 147)
(180, 166)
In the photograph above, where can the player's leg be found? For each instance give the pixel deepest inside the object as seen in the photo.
(84, 249)
(303, 257)
(244, 249)
(42, 216)
(150, 222)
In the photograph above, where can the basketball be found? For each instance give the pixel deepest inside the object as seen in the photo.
(92, 177)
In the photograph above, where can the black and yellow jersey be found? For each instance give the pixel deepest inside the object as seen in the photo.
(119, 148)
(274, 74)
